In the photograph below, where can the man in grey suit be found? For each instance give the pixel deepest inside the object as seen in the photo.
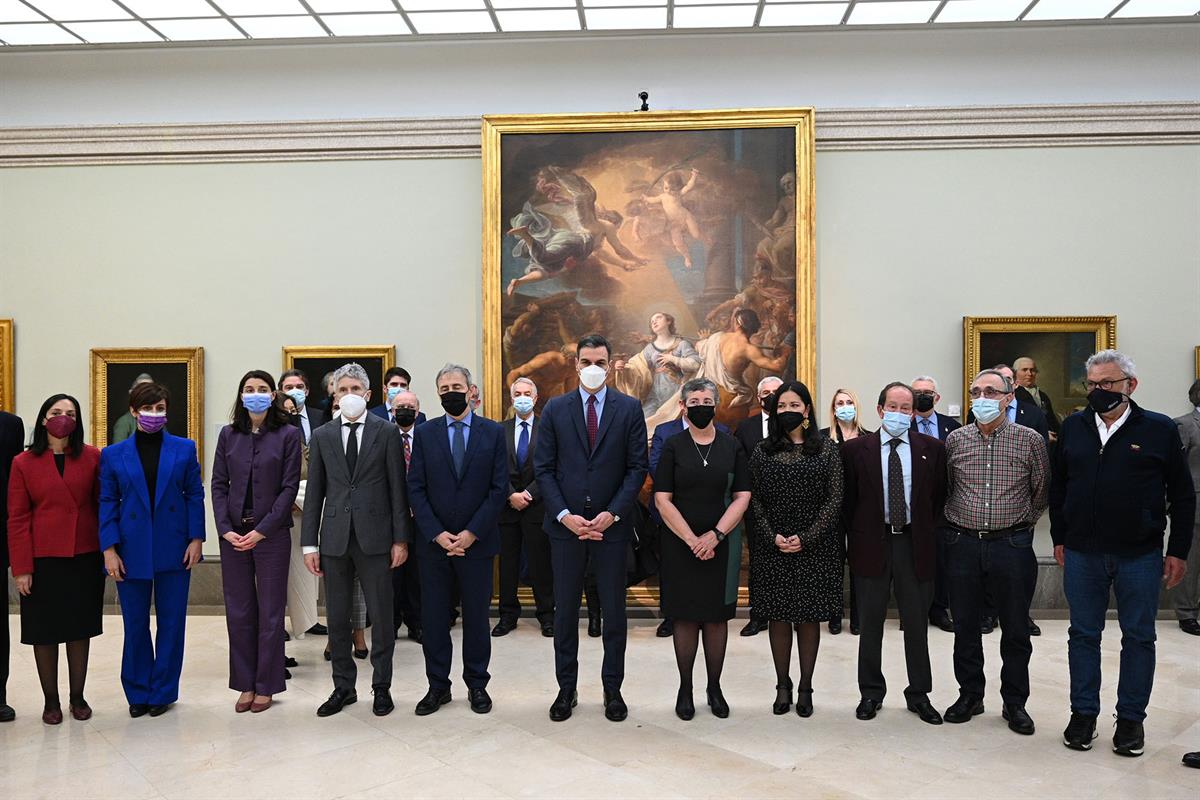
(356, 524)
(1186, 596)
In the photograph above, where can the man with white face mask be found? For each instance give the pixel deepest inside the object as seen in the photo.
(998, 487)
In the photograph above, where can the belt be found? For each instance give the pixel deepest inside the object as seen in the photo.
(999, 533)
(248, 522)
(897, 529)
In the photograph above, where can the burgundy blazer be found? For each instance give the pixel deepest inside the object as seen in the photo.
(52, 515)
(862, 505)
(272, 461)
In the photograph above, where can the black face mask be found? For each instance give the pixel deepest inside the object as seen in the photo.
(454, 403)
(790, 420)
(405, 417)
(701, 416)
(294, 419)
(924, 402)
(1103, 401)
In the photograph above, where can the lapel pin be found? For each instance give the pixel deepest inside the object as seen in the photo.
(1135, 447)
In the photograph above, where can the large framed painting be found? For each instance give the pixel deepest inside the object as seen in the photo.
(116, 370)
(1058, 347)
(8, 368)
(684, 237)
(319, 362)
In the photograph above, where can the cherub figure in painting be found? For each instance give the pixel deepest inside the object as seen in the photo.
(679, 219)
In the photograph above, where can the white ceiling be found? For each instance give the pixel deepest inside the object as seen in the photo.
(74, 23)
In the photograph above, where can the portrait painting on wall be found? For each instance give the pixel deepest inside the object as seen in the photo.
(8, 366)
(685, 238)
(116, 371)
(318, 364)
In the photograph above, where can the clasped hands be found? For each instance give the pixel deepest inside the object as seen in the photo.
(704, 547)
(455, 544)
(243, 542)
(593, 528)
(788, 544)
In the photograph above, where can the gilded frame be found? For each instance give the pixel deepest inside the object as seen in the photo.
(1103, 329)
(8, 368)
(1198, 362)
(495, 127)
(386, 353)
(191, 357)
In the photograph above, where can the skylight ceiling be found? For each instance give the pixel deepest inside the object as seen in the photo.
(56, 23)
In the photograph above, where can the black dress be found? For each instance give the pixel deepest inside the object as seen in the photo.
(797, 494)
(695, 590)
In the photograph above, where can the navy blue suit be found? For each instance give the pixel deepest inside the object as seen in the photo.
(443, 501)
(944, 425)
(150, 536)
(587, 481)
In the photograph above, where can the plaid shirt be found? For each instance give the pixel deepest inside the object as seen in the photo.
(996, 481)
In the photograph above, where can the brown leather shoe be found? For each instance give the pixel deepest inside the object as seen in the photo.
(242, 707)
(258, 708)
(52, 716)
(82, 712)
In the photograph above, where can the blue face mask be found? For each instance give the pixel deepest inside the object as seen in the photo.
(845, 413)
(523, 404)
(393, 391)
(896, 423)
(255, 402)
(297, 396)
(985, 409)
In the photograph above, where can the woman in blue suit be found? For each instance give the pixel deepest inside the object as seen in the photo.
(151, 532)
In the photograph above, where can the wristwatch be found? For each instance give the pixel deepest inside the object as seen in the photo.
(615, 517)
(720, 534)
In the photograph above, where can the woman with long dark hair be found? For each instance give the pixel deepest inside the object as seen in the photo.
(54, 548)
(255, 477)
(796, 492)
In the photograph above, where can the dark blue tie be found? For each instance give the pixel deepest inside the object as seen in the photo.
(523, 444)
(458, 450)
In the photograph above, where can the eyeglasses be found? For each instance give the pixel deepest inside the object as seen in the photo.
(988, 392)
(1105, 385)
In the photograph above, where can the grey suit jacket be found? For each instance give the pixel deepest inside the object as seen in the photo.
(374, 500)
(1189, 432)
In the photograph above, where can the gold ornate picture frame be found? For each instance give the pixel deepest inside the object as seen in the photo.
(316, 361)
(8, 368)
(115, 370)
(1059, 346)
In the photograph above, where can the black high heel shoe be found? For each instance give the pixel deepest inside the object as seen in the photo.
(685, 709)
(783, 698)
(804, 706)
(716, 701)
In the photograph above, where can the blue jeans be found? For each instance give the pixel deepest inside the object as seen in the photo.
(1087, 579)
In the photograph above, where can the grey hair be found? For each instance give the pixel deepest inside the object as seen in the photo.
(926, 378)
(523, 379)
(351, 370)
(451, 369)
(699, 385)
(1008, 387)
(1123, 362)
(759, 388)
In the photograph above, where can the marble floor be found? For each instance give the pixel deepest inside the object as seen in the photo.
(201, 749)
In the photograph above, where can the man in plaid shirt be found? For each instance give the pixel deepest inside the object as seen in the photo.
(998, 486)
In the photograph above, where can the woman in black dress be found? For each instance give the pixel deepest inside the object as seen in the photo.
(702, 489)
(845, 425)
(796, 485)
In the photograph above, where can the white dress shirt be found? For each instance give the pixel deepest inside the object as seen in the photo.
(905, 453)
(517, 430)
(345, 426)
(1107, 432)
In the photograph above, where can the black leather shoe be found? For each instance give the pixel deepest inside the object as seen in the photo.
(503, 628)
(867, 708)
(287, 637)
(339, 699)
(925, 710)
(560, 709)
(1018, 720)
(481, 701)
(415, 634)
(287, 674)
(1192, 760)
(685, 709)
(964, 709)
(1080, 732)
(855, 629)
(290, 662)
(548, 630)
(318, 630)
(665, 628)
(361, 655)
(835, 626)
(783, 698)
(594, 629)
(716, 702)
(432, 701)
(1129, 739)
(160, 709)
(804, 705)
(1034, 630)
(942, 621)
(328, 655)
(6, 713)
(614, 706)
(383, 705)
(987, 625)
(1190, 626)
(754, 627)
(138, 710)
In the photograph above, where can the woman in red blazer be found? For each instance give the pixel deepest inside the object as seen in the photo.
(54, 549)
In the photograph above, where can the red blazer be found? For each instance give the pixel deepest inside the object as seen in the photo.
(862, 504)
(51, 515)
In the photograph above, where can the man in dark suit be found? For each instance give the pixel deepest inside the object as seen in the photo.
(1025, 369)
(294, 384)
(521, 519)
(928, 421)
(395, 381)
(406, 580)
(895, 489)
(356, 524)
(749, 433)
(590, 463)
(12, 437)
(458, 480)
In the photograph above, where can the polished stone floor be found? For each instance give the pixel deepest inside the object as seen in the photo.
(201, 749)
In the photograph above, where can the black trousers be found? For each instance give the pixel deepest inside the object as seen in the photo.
(913, 597)
(374, 574)
(941, 583)
(442, 578)
(4, 647)
(406, 591)
(526, 533)
(570, 559)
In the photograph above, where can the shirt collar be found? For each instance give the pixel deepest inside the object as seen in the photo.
(885, 437)
(599, 395)
(465, 420)
(1120, 420)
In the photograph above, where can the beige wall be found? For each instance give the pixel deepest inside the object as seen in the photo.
(244, 258)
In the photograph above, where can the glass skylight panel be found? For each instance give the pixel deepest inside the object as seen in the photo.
(539, 20)
(679, 3)
(14, 11)
(197, 30)
(808, 14)
(64, 10)
(982, 10)
(714, 16)
(36, 33)
(105, 32)
(452, 22)
(600, 19)
(366, 24)
(237, 8)
(607, 3)
(1071, 9)
(441, 5)
(281, 27)
(498, 4)
(1159, 8)
(893, 13)
(167, 9)
(344, 6)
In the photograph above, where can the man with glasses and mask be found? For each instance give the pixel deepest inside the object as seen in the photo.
(1119, 474)
(998, 477)
(749, 433)
(406, 580)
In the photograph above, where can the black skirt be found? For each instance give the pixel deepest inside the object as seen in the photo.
(67, 601)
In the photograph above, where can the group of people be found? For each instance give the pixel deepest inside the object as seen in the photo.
(402, 516)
